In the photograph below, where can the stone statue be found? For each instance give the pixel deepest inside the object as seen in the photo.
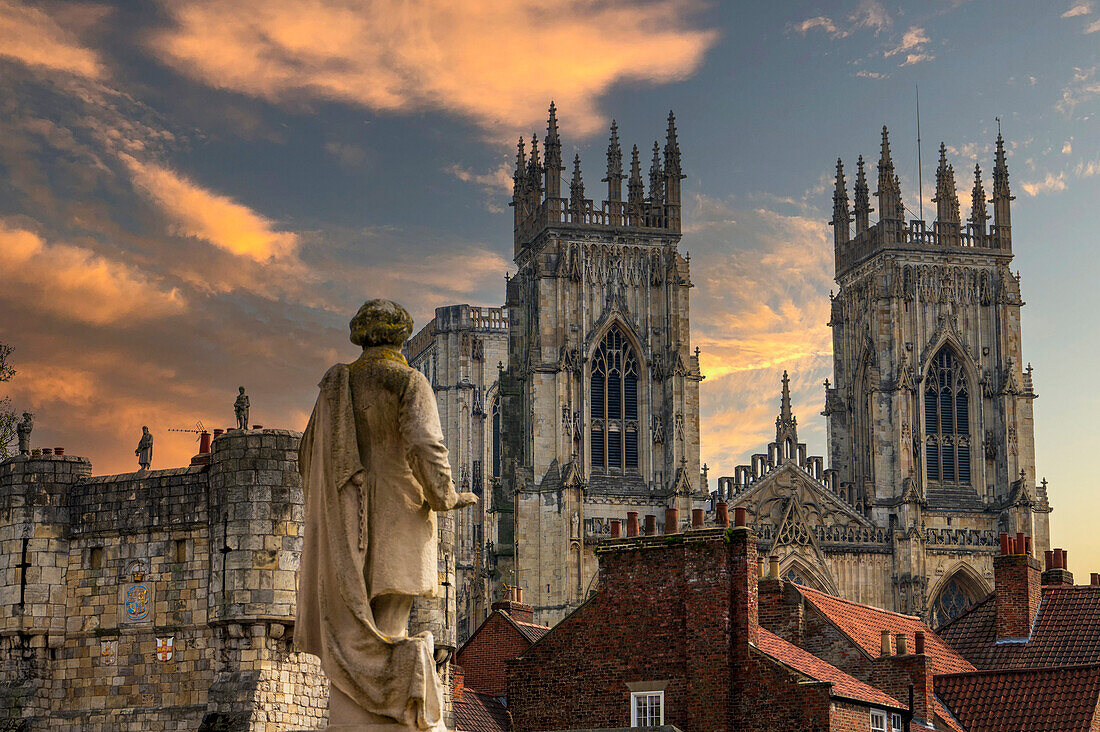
(144, 449)
(374, 472)
(23, 432)
(240, 407)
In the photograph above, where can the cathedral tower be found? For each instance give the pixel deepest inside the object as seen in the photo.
(600, 398)
(930, 414)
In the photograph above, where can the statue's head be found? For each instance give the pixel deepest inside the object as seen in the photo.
(27, 416)
(145, 430)
(240, 389)
(381, 323)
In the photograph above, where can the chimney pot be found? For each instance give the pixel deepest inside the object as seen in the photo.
(773, 566)
(650, 524)
(697, 518)
(59, 451)
(1065, 559)
(1019, 547)
(204, 441)
(218, 432)
(1048, 559)
(1027, 545)
(47, 451)
(519, 595)
(1094, 579)
(918, 642)
(631, 523)
(615, 528)
(884, 646)
(902, 646)
(672, 520)
(723, 513)
(1059, 560)
(1004, 543)
(759, 566)
(740, 516)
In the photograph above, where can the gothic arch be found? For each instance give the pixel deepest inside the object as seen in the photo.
(616, 399)
(866, 380)
(795, 568)
(953, 353)
(956, 591)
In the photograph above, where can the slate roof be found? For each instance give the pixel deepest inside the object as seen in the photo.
(531, 631)
(477, 712)
(810, 665)
(864, 625)
(1066, 632)
(1036, 700)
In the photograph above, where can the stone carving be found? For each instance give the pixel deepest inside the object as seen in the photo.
(23, 432)
(240, 408)
(144, 449)
(372, 451)
(657, 427)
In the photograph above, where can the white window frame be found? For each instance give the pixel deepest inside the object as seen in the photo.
(635, 695)
(878, 720)
(896, 723)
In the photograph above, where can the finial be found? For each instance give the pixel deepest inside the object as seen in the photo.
(841, 216)
(979, 215)
(576, 186)
(635, 188)
(614, 179)
(672, 148)
(889, 190)
(947, 198)
(785, 402)
(552, 121)
(863, 199)
(655, 175)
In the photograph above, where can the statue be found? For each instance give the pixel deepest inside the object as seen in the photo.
(23, 432)
(144, 449)
(374, 472)
(240, 407)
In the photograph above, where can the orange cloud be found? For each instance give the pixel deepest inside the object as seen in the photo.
(75, 283)
(221, 221)
(32, 37)
(495, 61)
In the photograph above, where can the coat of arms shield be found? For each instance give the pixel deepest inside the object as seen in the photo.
(164, 648)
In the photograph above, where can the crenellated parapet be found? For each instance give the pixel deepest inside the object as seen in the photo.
(894, 231)
(539, 205)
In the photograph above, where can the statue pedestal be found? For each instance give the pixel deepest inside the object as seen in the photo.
(346, 716)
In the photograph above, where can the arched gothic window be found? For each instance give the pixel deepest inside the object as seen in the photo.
(861, 422)
(952, 602)
(614, 410)
(947, 420)
(495, 410)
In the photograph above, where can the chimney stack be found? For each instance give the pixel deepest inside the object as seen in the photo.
(1057, 573)
(723, 514)
(884, 644)
(1017, 580)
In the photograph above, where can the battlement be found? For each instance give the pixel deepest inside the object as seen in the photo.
(895, 232)
(539, 204)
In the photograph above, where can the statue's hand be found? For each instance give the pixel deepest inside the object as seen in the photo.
(466, 499)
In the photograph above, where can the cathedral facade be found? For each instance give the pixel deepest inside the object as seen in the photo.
(930, 409)
(600, 397)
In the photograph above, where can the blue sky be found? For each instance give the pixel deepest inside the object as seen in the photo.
(197, 194)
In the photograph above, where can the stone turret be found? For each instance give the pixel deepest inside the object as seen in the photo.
(890, 206)
(979, 215)
(553, 166)
(842, 218)
(946, 200)
(614, 179)
(863, 199)
(635, 188)
(673, 174)
(1002, 198)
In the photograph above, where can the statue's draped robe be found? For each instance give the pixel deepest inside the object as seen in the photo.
(145, 450)
(373, 469)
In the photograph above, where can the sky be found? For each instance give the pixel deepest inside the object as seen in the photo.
(198, 194)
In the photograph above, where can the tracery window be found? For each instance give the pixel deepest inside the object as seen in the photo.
(614, 406)
(947, 420)
(951, 603)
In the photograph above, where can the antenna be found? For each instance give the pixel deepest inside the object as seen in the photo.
(920, 181)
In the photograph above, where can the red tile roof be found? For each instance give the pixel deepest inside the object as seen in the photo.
(531, 631)
(864, 625)
(810, 665)
(944, 719)
(1066, 632)
(477, 712)
(1036, 700)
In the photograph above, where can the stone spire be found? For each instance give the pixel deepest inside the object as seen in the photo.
(521, 169)
(534, 170)
(576, 186)
(979, 216)
(553, 167)
(863, 199)
(1002, 216)
(673, 173)
(614, 179)
(786, 426)
(947, 198)
(656, 175)
(889, 189)
(842, 218)
(635, 187)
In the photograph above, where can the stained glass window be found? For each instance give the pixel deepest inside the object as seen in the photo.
(947, 420)
(951, 603)
(614, 410)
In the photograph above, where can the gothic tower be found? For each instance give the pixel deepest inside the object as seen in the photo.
(600, 398)
(930, 415)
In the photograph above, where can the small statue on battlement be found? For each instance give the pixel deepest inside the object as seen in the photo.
(374, 472)
(240, 407)
(23, 432)
(144, 449)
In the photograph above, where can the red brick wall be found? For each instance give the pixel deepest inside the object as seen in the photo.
(484, 656)
(1018, 591)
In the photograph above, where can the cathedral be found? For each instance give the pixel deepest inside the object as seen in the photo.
(577, 404)
(930, 410)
